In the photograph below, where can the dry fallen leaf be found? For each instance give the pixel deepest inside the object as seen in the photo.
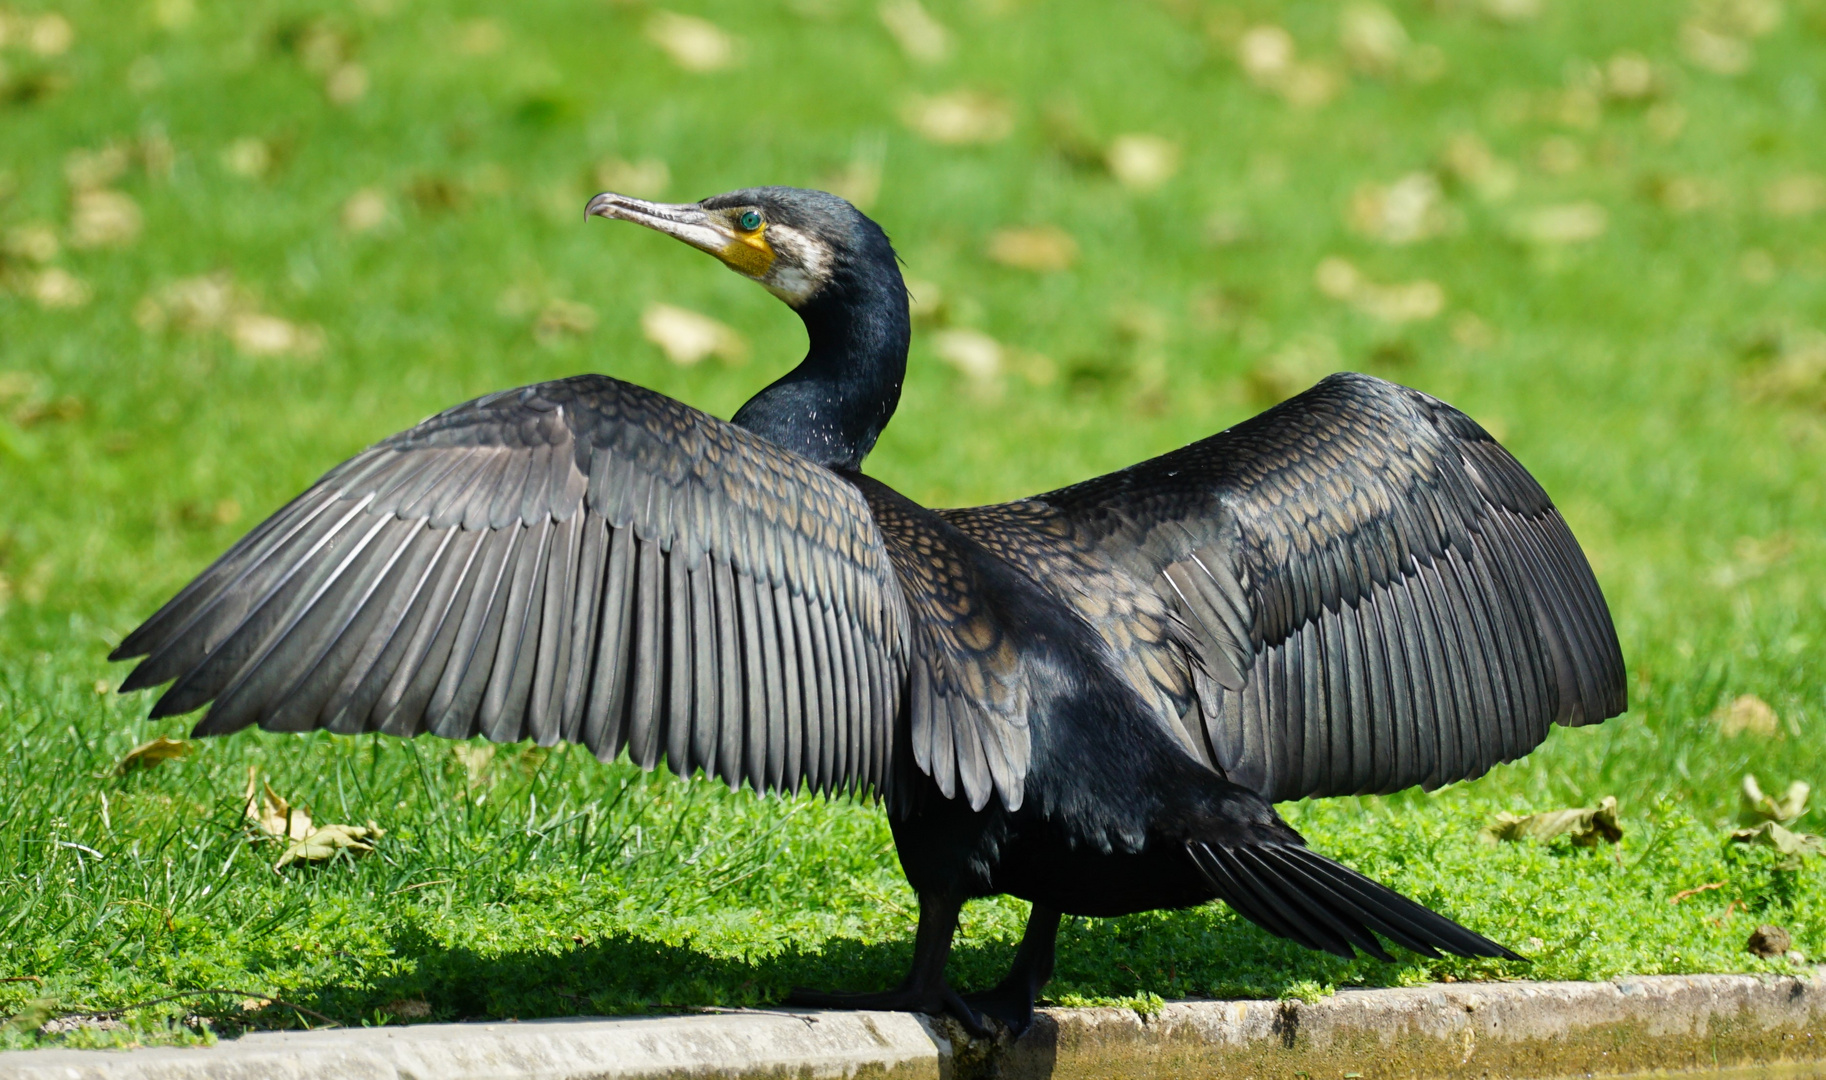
(972, 352)
(1747, 713)
(1470, 160)
(1757, 807)
(1412, 301)
(305, 841)
(479, 37)
(1586, 827)
(1142, 162)
(647, 178)
(1512, 11)
(147, 755)
(102, 218)
(1040, 248)
(1265, 53)
(258, 334)
(687, 337)
(1721, 54)
(560, 319)
(57, 288)
(1796, 196)
(923, 38)
(1629, 76)
(1795, 845)
(1572, 223)
(248, 157)
(34, 242)
(1372, 37)
(1410, 209)
(959, 118)
(274, 816)
(328, 841)
(95, 168)
(365, 210)
(693, 44)
(346, 85)
(50, 35)
(926, 302)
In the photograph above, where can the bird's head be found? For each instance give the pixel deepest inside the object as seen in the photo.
(797, 243)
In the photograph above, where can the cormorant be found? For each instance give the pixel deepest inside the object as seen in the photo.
(1088, 699)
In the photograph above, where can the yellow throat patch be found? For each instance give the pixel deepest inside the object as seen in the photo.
(749, 253)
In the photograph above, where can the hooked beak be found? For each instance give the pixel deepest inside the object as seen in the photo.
(684, 221)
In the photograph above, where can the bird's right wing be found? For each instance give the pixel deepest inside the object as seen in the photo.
(580, 560)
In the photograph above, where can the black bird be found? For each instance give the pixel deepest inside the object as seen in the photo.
(1088, 699)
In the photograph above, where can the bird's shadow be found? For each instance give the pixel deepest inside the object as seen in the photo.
(1201, 952)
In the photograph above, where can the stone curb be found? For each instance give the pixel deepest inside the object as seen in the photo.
(1522, 1030)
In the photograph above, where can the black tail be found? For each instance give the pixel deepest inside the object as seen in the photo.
(1299, 894)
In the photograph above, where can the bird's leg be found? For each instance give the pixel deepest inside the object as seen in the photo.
(924, 989)
(1011, 1000)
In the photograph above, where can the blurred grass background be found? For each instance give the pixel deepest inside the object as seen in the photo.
(240, 241)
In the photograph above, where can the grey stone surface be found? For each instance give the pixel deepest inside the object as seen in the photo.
(747, 1044)
(1519, 1029)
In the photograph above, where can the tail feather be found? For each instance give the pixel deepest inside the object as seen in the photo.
(1296, 893)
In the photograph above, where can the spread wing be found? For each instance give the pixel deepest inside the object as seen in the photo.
(1374, 593)
(580, 560)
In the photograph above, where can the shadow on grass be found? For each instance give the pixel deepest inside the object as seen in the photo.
(1201, 952)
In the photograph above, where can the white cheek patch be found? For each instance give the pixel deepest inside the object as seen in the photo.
(801, 265)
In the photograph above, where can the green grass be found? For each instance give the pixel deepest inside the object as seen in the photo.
(1665, 380)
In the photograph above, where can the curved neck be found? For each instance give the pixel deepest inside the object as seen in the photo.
(832, 407)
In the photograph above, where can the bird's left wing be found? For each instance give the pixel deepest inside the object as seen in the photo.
(1370, 591)
(579, 560)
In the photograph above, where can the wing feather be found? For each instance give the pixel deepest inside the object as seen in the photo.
(580, 560)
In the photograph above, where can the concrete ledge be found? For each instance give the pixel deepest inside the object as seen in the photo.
(1530, 1031)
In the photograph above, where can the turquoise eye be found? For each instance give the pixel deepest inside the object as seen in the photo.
(750, 221)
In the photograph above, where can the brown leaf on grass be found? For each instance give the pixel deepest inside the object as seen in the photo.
(269, 811)
(1412, 301)
(365, 210)
(304, 840)
(90, 169)
(1468, 159)
(1748, 713)
(1372, 37)
(647, 178)
(147, 755)
(923, 38)
(1040, 248)
(1411, 209)
(1757, 807)
(688, 337)
(328, 841)
(1571, 223)
(1796, 195)
(960, 118)
(1795, 845)
(33, 242)
(972, 352)
(694, 44)
(248, 157)
(859, 180)
(1142, 162)
(1585, 826)
(561, 319)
